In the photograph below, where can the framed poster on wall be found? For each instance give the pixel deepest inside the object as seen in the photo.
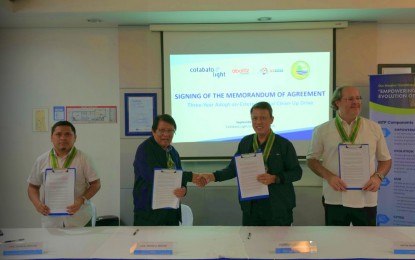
(396, 68)
(91, 114)
(140, 110)
(40, 120)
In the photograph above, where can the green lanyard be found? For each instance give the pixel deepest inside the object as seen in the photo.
(343, 134)
(54, 161)
(268, 146)
(170, 162)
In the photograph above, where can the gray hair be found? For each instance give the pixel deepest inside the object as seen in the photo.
(337, 95)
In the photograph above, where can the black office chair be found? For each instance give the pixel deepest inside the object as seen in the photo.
(106, 220)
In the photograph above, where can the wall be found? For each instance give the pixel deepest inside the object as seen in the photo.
(396, 44)
(360, 47)
(356, 53)
(217, 204)
(46, 68)
(140, 71)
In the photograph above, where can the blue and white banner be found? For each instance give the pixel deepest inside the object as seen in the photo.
(392, 105)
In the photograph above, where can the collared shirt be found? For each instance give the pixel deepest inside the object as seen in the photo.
(85, 174)
(324, 146)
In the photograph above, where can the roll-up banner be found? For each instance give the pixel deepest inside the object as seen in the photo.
(392, 105)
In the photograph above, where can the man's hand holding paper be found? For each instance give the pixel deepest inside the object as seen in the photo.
(354, 165)
(249, 166)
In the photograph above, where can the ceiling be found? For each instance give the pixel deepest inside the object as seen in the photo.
(114, 13)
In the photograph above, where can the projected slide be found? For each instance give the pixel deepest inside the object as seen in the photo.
(211, 94)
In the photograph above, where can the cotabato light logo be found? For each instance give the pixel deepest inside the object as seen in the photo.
(300, 70)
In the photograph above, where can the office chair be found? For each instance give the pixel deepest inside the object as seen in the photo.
(107, 220)
(187, 216)
(94, 213)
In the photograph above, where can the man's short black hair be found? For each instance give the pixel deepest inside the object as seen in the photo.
(164, 117)
(63, 123)
(262, 105)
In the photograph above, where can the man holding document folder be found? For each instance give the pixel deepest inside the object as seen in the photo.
(350, 153)
(68, 181)
(159, 180)
(276, 172)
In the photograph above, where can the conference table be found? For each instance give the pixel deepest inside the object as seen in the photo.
(211, 242)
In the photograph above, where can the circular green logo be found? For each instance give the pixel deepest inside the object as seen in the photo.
(300, 70)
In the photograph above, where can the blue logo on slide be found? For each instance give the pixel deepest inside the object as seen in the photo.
(385, 182)
(202, 69)
(215, 72)
(382, 219)
(386, 132)
(300, 70)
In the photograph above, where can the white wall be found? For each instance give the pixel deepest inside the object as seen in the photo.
(55, 67)
(48, 67)
(360, 47)
(396, 44)
(140, 71)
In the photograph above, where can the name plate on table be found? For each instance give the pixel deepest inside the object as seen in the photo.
(404, 247)
(289, 247)
(152, 248)
(19, 248)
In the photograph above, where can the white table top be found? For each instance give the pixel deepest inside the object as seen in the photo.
(213, 242)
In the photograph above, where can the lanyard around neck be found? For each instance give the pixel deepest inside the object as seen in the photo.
(68, 161)
(346, 138)
(170, 162)
(268, 146)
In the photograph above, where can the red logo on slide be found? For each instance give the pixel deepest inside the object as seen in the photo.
(240, 71)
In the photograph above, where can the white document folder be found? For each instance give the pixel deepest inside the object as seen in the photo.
(354, 165)
(248, 167)
(165, 182)
(59, 190)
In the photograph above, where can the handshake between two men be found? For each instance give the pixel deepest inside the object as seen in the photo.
(202, 179)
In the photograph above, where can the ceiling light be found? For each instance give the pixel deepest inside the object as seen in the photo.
(264, 19)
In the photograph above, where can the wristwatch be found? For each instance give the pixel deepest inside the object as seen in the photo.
(380, 175)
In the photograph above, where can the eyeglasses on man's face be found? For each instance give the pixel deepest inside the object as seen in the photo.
(353, 99)
(165, 131)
